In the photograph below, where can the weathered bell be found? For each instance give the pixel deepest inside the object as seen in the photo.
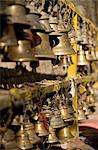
(34, 19)
(63, 61)
(81, 115)
(64, 47)
(40, 129)
(81, 57)
(7, 37)
(69, 60)
(17, 15)
(29, 128)
(22, 139)
(43, 51)
(56, 120)
(52, 136)
(44, 20)
(65, 134)
(54, 25)
(21, 52)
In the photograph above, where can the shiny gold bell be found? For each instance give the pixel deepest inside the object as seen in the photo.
(17, 14)
(40, 129)
(44, 20)
(21, 52)
(34, 19)
(29, 128)
(81, 57)
(64, 46)
(52, 136)
(65, 134)
(43, 51)
(22, 139)
(81, 115)
(56, 120)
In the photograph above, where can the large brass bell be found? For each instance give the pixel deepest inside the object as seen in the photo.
(21, 52)
(56, 121)
(64, 47)
(22, 139)
(65, 134)
(43, 51)
(8, 37)
(52, 136)
(54, 25)
(63, 61)
(81, 57)
(34, 19)
(81, 115)
(29, 128)
(44, 20)
(40, 129)
(17, 14)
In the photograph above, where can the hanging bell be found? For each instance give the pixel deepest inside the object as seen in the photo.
(56, 120)
(64, 46)
(40, 129)
(43, 51)
(22, 139)
(81, 115)
(54, 25)
(17, 15)
(65, 134)
(52, 136)
(44, 20)
(69, 60)
(63, 61)
(29, 128)
(81, 57)
(21, 52)
(34, 19)
(8, 37)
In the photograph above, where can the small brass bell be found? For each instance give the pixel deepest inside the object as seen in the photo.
(34, 19)
(56, 120)
(43, 51)
(81, 57)
(63, 61)
(65, 134)
(54, 25)
(21, 52)
(29, 128)
(52, 136)
(69, 60)
(40, 129)
(44, 20)
(22, 139)
(91, 55)
(8, 37)
(81, 115)
(17, 14)
(64, 46)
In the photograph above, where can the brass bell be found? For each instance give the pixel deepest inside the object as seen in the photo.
(34, 19)
(21, 52)
(52, 136)
(40, 129)
(64, 46)
(81, 115)
(54, 25)
(56, 121)
(43, 51)
(22, 139)
(63, 61)
(44, 20)
(69, 60)
(8, 37)
(17, 14)
(81, 57)
(29, 128)
(65, 134)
